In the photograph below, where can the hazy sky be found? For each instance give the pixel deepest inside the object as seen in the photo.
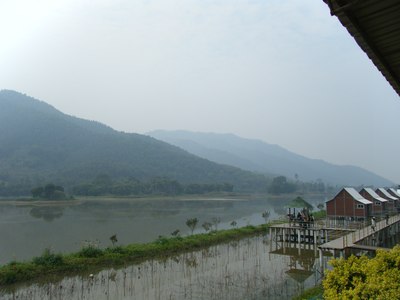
(283, 71)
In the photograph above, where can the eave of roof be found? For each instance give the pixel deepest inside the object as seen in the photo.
(387, 195)
(394, 192)
(374, 195)
(356, 196)
(375, 26)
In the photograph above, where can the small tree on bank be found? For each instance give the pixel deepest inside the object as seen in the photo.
(207, 226)
(192, 223)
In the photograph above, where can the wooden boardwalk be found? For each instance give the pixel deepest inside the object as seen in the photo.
(350, 240)
(315, 233)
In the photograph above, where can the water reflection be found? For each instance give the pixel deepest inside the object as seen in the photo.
(239, 270)
(63, 227)
(47, 213)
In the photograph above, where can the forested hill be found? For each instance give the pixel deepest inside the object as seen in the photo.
(39, 144)
(255, 155)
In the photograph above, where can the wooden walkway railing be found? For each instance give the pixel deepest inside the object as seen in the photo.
(356, 236)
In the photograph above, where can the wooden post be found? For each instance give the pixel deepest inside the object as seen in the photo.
(299, 237)
(321, 265)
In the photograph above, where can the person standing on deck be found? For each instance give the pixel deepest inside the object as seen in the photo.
(373, 223)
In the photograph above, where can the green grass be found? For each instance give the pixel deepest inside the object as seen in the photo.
(92, 259)
(321, 214)
(314, 293)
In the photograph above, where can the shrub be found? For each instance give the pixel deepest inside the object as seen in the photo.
(48, 259)
(90, 251)
(116, 250)
(363, 278)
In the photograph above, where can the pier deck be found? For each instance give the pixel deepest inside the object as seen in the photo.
(352, 239)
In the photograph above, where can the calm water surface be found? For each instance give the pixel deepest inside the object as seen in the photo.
(248, 269)
(26, 230)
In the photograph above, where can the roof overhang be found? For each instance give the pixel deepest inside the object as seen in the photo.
(375, 25)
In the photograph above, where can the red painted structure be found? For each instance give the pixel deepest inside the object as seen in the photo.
(392, 201)
(378, 207)
(395, 194)
(349, 203)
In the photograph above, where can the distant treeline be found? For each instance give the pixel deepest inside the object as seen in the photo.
(103, 185)
(49, 192)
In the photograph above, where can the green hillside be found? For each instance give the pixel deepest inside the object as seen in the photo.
(39, 144)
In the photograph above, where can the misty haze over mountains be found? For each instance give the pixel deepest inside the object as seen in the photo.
(258, 156)
(39, 144)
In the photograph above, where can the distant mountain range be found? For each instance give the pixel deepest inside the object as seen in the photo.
(261, 157)
(39, 144)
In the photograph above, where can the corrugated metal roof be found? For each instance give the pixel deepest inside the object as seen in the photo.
(374, 195)
(375, 25)
(356, 195)
(387, 195)
(394, 192)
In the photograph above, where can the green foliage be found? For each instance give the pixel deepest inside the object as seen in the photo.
(49, 192)
(115, 250)
(280, 185)
(299, 202)
(314, 293)
(90, 251)
(192, 223)
(207, 226)
(37, 192)
(39, 144)
(48, 259)
(175, 232)
(319, 214)
(156, 186)
(364, 278)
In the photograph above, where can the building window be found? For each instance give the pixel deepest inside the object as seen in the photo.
(360, 206)
(378, 203)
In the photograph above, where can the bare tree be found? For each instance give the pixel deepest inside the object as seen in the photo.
(207, 226)
(266, 215)
(216, 221)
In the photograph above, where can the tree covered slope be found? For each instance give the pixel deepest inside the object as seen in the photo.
(40, 144)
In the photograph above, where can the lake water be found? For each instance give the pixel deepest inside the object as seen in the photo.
(26, 230)
(247, 269)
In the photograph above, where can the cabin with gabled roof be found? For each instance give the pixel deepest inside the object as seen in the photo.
(395, 194)
(348, 203)
(392, 201)
(379, 204)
